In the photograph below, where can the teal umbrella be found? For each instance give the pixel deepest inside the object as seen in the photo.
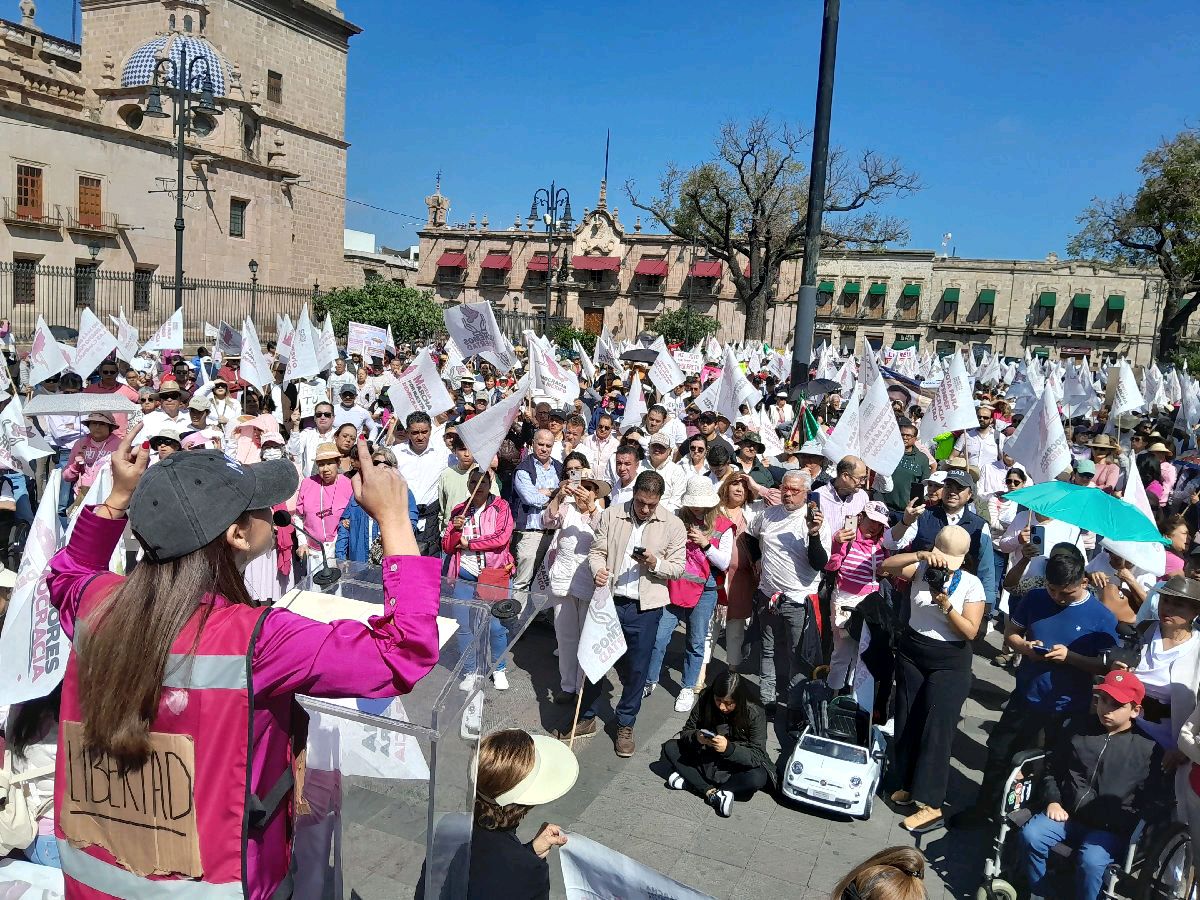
(1088, 508)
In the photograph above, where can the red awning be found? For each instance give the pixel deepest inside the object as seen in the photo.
(596, 263)
(500, 261)
(450, 260)
(538, 263)
(651, 267)
(706, 270)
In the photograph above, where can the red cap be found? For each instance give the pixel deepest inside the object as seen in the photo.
(1123, 687)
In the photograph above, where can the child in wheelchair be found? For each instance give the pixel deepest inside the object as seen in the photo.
(1099, 781)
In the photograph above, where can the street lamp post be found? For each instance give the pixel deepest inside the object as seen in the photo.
(184, 75)
(253, 290)
(551, 199)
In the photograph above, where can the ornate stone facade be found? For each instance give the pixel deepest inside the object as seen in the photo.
(79, 160)
(607, 275)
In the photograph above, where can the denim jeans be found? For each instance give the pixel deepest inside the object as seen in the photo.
(66, 489)
(464, 589)
(43, 851)
(1096, 849)
(697, 620)
(20, 488)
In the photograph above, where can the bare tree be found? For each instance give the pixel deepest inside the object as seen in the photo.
(1156, 228)
(746, 206)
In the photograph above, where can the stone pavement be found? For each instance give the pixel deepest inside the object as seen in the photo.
(766, 850)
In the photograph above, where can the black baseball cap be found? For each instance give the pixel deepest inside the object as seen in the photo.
(961, 476)
(187, 500)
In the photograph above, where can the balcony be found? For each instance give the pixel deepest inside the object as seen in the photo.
(91, 223)
(449, 277)
(31, 216)
(649, 284)
(493, 278)
(597, 285)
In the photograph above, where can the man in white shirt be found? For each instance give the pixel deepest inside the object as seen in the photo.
(170, 412)
(625, 465)
(421, 465)
(656, 421)
(600, 446)
(348, 412)
(303, 445)
(795, 547)
(658, 457)
(339, 377)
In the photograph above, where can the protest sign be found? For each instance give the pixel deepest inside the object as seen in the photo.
(94, 344)
(953, 406)
(601, 640)
(47, 357)
(689, 363)
(419, 389)
(1040, 444)
(33, 648)
(229, 341)
(367, 341)
(302, 361)
(484, 433)
(591, 871)
(169, 335)
(307, 398)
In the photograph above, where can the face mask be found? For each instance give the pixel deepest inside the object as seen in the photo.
(272, 453)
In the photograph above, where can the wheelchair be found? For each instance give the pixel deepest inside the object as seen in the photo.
(1158, 864)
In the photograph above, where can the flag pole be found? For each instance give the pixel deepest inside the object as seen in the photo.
(578, 703)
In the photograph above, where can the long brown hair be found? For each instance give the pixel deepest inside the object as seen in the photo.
(505, 757)
(124, 643)
(897, 873)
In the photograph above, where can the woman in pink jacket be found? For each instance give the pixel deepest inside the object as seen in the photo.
(477, 538)
(179, 713)
(90, 451)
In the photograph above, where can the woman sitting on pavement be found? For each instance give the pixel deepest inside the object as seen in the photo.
(573, 513)
(476, 539)
(933, 669)
(694, 595)
(722, 750)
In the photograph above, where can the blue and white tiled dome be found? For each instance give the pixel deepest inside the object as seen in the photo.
(139, 67)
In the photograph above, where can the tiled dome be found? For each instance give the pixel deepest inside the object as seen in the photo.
(139, 67)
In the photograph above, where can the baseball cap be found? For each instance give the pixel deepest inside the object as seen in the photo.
(954, 543)
(660, 439)
(812, 448)
(877, 512)
(187, 500)
(1085, 467)
(938, 477)
(1123, 687)
(348, 389)
(200, 404)
(960, 476)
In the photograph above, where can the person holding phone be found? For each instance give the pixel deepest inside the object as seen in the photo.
(721, 753)
(909, 475)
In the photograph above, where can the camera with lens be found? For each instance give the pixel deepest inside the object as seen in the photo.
(1128, 651)
(936, 578)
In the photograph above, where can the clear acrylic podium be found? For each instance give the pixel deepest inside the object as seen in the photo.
(389, 784)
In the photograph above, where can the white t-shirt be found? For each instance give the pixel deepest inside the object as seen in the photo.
(927, 619)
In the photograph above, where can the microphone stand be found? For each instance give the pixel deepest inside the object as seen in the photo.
(329, 575)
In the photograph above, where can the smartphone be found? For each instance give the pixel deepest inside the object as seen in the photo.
(916, 491)
(1038, 648)
(707, 733)
(850, 524)
(639, 551)
(814, 497)
(1037, 537)
(576, 476)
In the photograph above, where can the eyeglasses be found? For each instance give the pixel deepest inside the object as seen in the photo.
(323, 415)
(695, 449)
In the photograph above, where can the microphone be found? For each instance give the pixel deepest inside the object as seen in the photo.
(329, 575)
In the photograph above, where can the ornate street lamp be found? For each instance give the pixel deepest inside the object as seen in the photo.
(552, 200)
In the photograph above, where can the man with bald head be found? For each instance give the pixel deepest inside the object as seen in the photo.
(845, 497)
(535, 481)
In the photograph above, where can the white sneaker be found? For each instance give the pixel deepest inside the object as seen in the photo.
(468, 683)
(648, 690)
(675, 782)
(685, 701)
(500, 680)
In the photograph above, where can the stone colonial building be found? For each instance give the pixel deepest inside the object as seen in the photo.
(86, 176)
(609, 275)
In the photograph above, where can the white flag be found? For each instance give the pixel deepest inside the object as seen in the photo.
(879, 441)
(844, 440)
(93, 345)
(548, 377)
(601, 640)
(1127, 397)
(327, 350)
(229, 340)
(391, 341)
(635, 404)
(302, 363)
(485, 432)
(606, 351)
(33, 648)
(285, 333)
(254, 369)
(665, 373)
(712, 349)
(736, 389)
(593, 872)
(127, 337)
(47, 357)
(473, 327)
(953, 406)
(21, 445)
(1040, 444)
(585, 364)
(419, 389)
(169, 335)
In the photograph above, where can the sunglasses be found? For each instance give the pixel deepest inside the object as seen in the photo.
(323, 415)
(695, 449)
(1013, 482)
(148, 400)
(384, 462)
(169, 396)
(105, 372)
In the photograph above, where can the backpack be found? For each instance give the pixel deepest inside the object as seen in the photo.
(18, 817)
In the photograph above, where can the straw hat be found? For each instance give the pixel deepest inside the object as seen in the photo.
(699, 494)
(597, 486)
(327, 451)
(1104, 442)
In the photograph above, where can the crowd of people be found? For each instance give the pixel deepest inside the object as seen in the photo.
(738, 531)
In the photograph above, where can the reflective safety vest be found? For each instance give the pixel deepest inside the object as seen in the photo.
(191, 822)
(686, 590)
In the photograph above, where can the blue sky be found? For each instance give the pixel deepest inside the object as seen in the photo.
(1014, 114)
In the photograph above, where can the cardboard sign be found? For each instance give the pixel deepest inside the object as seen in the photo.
(308, 398)
(690, 363)
(145, 818)
(366, 340)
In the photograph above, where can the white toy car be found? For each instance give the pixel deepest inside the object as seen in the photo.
(835, 775)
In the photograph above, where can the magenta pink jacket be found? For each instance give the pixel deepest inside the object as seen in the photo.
(495, 533)
(293, 655)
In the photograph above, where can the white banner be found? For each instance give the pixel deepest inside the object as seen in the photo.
(419, 389)
(665, 373)
(169, 335)
(21, 445)
(327, 349)
(548, 377)
(473, 328)
(953, 406)
(484, 433)
(254, 369)
(366, 340)
(1127, 397)
(302, 361)
(33, 648)
(635, 404)
(843, 441)
(879, 441)
(127, 337)
(92, 346)
(1040, 444)
(229, 341)
(601, 640)
(593, 872)
(47, 357)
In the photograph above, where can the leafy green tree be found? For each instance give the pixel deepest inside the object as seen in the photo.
(747, 206)
(685, 326)
(414, 315)
(1186, 353)
(563, 333)
(1157, 228)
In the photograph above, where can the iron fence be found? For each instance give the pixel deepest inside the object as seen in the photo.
(515, 324)
(59, 294)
